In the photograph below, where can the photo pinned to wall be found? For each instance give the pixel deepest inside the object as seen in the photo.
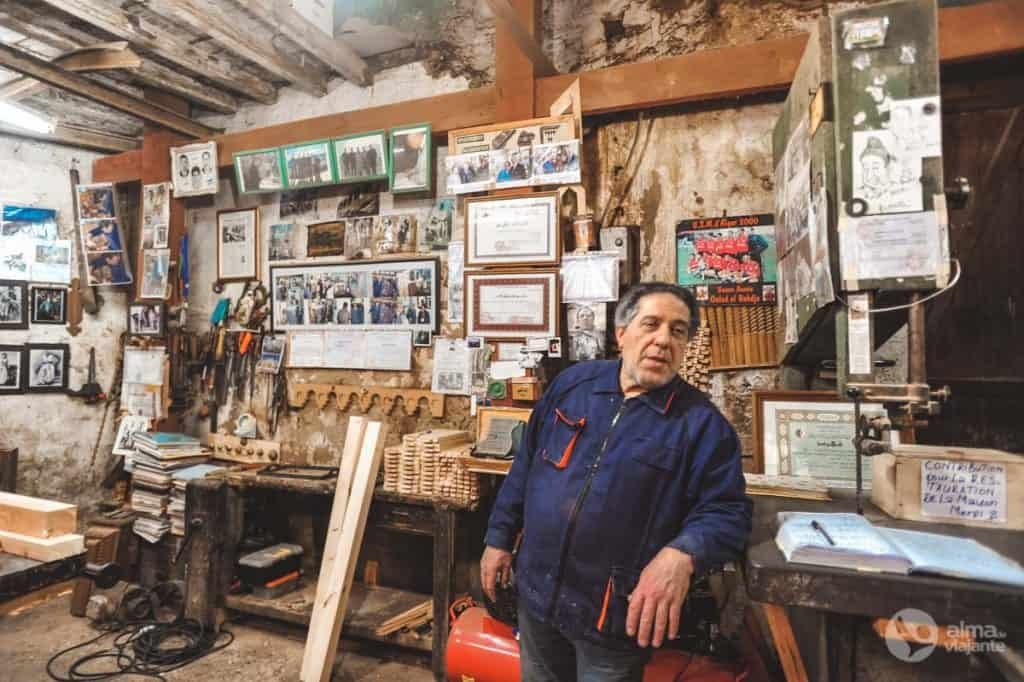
(729, 260)
(194, 169)
(456, 294)
(238, 252)
(556, 164)
(357, 201)
(512, 167)
(49, 305)
(259, 170)
(309, 164)
(156, 215)
(359, 238)
(282, 244)
(362, 157)
(16, 259)
(13, 305)
(147, 319)
(271, 353)
(411, 158)
(102, 238)
(884, 181)
(51, 261)
(435, 232)
(108, 269)
(468, 172)
(48, 365)
(325, 239)
(27, 222)
(12, 370)
(124, 442)
(588, 330)
(155, 273)
(300, 202)
(95, 202)
(395, 234)
(104, 235)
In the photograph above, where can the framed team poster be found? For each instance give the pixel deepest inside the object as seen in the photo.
(238, 245)
(512, 304)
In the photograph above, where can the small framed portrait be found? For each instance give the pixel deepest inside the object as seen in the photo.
(238, 239)
(49, 305)
(362, 157)
(309, 164)
(410, 158)
(48, 365)
(147, 319)
(422, 338)
(325, 239)
(194, 169)
(13, 305)
(259, 171)
(12, 369)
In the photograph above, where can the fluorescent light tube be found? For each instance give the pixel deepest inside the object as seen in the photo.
(23, 118)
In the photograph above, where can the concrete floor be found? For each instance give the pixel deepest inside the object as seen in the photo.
(29, 638)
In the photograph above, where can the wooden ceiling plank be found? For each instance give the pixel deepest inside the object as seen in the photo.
(73, 136)
(334, 52)
(110, 18)
(521, 34)
(208, 18)
(94, 58)
(16, 60)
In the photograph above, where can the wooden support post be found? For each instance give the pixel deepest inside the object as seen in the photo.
(514, 71)
(785, 642)
(8, 469)
(208, 523)
(444, 560)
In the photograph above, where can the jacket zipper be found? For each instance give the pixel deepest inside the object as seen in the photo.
(579, 503)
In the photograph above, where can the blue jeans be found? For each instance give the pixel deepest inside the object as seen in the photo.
(546, 655)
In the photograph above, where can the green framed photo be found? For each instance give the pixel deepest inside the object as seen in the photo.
(309, 164)
(411, 164)
(259, 170)
(362, 157)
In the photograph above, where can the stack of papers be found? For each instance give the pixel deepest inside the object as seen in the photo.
(150, 528)
(157, 457)
(181, 477)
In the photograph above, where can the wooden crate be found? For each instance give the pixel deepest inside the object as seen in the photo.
(896, 485)
(35, 516)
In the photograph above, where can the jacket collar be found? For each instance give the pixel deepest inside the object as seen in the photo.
(659, 400)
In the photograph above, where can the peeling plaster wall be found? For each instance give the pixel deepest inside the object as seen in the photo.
(56, 435)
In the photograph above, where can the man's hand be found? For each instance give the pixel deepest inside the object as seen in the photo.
(495, 564)
(658, 597)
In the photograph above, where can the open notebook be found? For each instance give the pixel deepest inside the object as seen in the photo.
(851, 541)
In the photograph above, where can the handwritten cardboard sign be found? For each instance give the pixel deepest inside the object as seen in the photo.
(974, 491)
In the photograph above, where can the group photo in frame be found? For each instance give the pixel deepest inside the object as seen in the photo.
(362, 157)
(512, 304)
(411, 158)
(49, 305)
(308, 164)
(12, 370)
(47, 366)
(13, 304)
(238, 245)
(385, 294)
(513, 230)
(259, 170)
(147, 319)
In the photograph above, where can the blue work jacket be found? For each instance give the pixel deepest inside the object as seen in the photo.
(601, 484)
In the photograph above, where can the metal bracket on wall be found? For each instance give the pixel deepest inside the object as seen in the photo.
(364, 397)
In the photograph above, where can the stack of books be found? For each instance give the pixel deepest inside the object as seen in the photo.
(157, 457)
(180, 479)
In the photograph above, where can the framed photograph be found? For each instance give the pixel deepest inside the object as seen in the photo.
(362, 157)
(512, 304)
(588, 330)
(511, 168)
(28, 222)
(411, 158)
(282, 242)
(95, 202)
(513, 231)
(194, 169)
(808, 433)
(13, 305)
(49, 305)
(729, 260)
(124, 442)
(422, 339)
(12, 369)
(48, 365)
(156, 265)
(238, 250)
(147, 319)
(259, 170)
(325, 239)
(379, 295)
(309, 164)
(395, 234)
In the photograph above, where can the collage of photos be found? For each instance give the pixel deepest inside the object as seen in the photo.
(30, 250)
(399, 293)
(194, 169)
(511, 166)
(102, 237)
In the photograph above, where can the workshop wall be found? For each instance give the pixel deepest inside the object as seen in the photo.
(63, 444)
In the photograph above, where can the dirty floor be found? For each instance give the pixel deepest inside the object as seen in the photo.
(260, 652)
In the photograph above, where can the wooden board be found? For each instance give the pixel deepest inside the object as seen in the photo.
(329, 613)
(416, 615)
(42, 549)
(36, 516)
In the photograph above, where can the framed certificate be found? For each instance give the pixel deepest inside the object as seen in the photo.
(512, 304)
(238, 245)
(513, 230)
(808, 433)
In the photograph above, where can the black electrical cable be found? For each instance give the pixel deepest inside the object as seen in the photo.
(143, 648)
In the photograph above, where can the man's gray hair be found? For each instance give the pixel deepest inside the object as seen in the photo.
(626, 310)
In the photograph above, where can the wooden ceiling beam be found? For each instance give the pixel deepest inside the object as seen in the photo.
(523, 36)
(101, 57)
(111, 19)
(42, 70)
(334, 52)
(74, 136)
(208, 18)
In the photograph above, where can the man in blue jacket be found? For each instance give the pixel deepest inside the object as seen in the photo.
(627, 484)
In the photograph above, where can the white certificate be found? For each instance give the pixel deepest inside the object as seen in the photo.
(143, 366)
(306, 349)
(453, 367)
(389, 350)
(522, 230)
(345, 349)
(519, 305)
